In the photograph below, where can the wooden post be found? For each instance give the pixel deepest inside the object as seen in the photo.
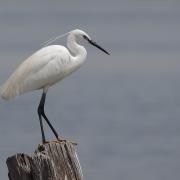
(51, 161)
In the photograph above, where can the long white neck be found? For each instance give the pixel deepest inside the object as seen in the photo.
(79, 53)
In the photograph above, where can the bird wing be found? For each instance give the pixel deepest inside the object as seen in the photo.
(43, 67)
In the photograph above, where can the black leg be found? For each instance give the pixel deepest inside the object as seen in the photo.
(42, 113)
(40, 107)
(50, 125)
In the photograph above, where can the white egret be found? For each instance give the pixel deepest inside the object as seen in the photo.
(46, 67)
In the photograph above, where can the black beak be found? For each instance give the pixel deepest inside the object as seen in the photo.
(99, 47)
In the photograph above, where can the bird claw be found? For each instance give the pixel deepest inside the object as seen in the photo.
(64, 141)
(45, 142)
(59, 140)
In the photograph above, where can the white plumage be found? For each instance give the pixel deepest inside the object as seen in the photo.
(42, 69)
(45, 68)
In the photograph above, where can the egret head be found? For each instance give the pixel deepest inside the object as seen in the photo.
(83, 35)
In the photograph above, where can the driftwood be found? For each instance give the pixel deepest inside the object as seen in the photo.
(51, 161)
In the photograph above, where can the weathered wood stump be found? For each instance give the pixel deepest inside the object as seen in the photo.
(52, 161)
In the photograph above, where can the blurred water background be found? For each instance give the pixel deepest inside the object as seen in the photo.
(123, 109)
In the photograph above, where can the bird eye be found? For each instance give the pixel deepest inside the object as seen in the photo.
(85, 37)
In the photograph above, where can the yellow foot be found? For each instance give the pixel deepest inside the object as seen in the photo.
(59, 140)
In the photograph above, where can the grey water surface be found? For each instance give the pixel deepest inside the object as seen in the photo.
(123, 110)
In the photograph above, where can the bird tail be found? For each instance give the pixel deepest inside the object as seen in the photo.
(7, 92)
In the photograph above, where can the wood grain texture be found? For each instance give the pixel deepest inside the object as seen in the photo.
(52, 161)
